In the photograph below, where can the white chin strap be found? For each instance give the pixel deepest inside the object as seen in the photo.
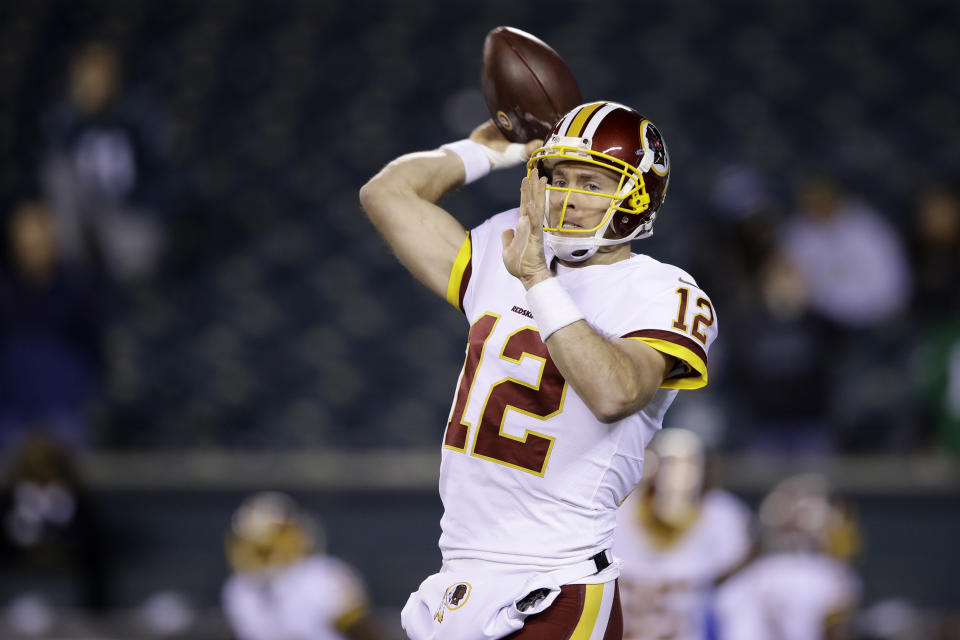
(570, 248)
(580, 248)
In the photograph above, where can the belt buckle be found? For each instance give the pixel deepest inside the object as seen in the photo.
(601, 561)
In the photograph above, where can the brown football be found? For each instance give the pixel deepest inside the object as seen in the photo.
(526, 84)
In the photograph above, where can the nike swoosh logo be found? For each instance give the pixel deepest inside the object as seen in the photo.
(692, 284)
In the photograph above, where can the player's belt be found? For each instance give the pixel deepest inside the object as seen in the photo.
(601, 560)
(595, 564)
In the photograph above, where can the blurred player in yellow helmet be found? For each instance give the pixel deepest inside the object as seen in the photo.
(677, 540)
(802, 588)
(283, 587)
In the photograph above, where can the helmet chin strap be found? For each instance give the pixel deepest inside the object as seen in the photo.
(571, 249)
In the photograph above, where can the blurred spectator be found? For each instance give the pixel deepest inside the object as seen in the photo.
(855, 270)
(50, 358)
(778, 374)
(852, 260)
(677, 540)
(802, 587)
(777, 348)
(104, 168)
(49, 526)
(739, 237)
(283, 586)
(935, 249)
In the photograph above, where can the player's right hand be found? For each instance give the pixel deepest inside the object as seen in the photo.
(523, 254)
(503, 153)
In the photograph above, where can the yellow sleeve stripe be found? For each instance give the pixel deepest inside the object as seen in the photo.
(681, 348)
(460, 274)
(351, 617)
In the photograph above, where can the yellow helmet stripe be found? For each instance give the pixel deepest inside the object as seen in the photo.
(576, 127)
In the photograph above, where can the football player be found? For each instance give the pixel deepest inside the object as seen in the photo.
(803, 587)
(282, 586)
(576, 349)
(677, 541)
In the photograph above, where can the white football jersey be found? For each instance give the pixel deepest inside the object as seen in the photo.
(666, 586)
(529, 476)
(786, 596)
(304, 601)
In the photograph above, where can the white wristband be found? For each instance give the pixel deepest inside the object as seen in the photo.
(476, 164)
(514, 154)
(552, 307)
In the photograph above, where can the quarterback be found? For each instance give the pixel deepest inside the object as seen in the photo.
(575, 351)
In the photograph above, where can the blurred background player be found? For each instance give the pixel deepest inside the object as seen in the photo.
(283, 586)
(676, 540)
(803, 587)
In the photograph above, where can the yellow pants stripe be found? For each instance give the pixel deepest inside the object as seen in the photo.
(591, 608)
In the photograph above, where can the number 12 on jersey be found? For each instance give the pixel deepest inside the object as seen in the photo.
(698, 320)
(542, 400)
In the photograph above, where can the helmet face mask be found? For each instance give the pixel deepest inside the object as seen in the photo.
(616, 139)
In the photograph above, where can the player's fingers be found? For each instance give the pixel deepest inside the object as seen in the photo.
(506, 238)
(523, 227)
(482, 129)
(532, 146)
(526, 187)
(522, 237)
(525, 195)
(538, 210)
(488, 134)
(534, 199)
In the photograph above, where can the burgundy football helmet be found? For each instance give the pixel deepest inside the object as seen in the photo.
(617, 138)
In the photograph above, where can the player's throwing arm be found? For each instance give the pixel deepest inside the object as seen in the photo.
(401, 200)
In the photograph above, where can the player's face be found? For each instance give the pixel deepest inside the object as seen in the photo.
(583, 210)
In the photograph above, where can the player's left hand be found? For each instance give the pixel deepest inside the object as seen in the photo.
(523, 248)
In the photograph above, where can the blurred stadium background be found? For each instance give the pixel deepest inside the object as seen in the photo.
(228, 321)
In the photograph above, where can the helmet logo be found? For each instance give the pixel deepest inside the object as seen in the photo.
(504, 121)
(653, 141)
